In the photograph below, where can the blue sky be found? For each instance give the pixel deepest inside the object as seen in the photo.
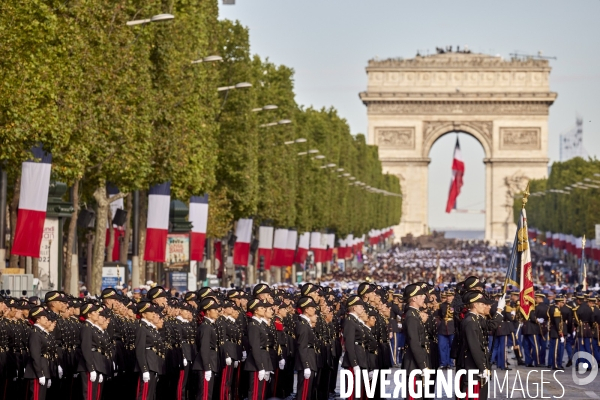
(328, 44)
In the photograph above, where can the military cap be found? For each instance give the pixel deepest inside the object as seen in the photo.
(473, 296)
(540, 294)
(109, 293)
(209, 303)
(184, 305)
(473, 282)
(38, 312)
(234, 294)
(204, 292)
(227, 304)
(255, 303)
(147, 307)
(55, 295)
(365, 288)
(373, 313)
(413, 290)
(157, 292)
(308, 288)
(88, 308)
(261, 288)
(580, 295)
(354, 301)
(559, 298)
(190, 296)
(305, 302)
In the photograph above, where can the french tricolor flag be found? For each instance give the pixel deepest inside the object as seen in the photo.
(317, 247)
(241, 249)
(303, 246)
(330, 244)
(159, 201)
(33, 201)
(265, 244)
(199, 220)
(290, 247)
(280, 248)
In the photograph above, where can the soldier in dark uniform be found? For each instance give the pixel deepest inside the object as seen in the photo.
(355, 357)
(584, 318)
(206, 365)
(371, 345)
(285, 342)
(474, 351)
(149, 350)
(541, 315)
(557, 337)
(531, 333)
(240, 378)
(445, 330)
(229, 353)
(500, 345)
(43, 351)
(57, 304)
(306, 356)
(416, 355)
(396, 329)
(96, 359)
(258, 362)
(569, 330)
(596, 328)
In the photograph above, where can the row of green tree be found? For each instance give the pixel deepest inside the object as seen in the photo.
(125, 105)
(568, 201)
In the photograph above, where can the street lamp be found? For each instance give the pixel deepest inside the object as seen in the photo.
(265, 108)
(208, 59)
(280, 122)
(156, 18)
(301, 140)
(240, 85)
(331, 165)
(319, 157)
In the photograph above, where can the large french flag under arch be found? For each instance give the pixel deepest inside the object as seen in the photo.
(159, 201)
(199, 220)
(241, 248)
(33, 201)
(458, 170)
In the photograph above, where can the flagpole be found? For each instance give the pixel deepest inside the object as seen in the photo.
(513, 254)
(584, 267)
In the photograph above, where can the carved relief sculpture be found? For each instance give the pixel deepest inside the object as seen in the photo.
(396, 137)
(520, 138)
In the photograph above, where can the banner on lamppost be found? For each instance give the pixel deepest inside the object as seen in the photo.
(177, 255)
(48, 261)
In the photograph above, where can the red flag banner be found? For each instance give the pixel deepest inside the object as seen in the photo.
(458, 170)
(526, 295)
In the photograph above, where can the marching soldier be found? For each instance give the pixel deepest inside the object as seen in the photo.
(355, 357)
(206, 363)
(445, 330)
(96, 358)
(149, 350)
(541, 314)
(187, 334)
(258, 362)
(416, 355)
(567, 312)
(306, 346)
(43, 354)
(584, 318)
(596, 328)
(502, 333)
(557, 339)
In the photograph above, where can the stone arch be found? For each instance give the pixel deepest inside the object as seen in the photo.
(480, 130)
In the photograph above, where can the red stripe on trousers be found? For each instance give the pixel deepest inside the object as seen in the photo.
(223, 381)
(205, 393)
(255, 391)
(180, 384)
(145, 391)
(89, 388)
(305, 388)
(99, 392)
(36, 390)
(264, 385)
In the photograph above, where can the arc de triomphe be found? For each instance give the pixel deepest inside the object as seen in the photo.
(502, 103)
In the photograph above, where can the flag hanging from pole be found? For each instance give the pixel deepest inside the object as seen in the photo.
(199, 219)
(583, 266)
(33, 201)
(157, 227)
(526, 295)
(458, 170)
(241, 248)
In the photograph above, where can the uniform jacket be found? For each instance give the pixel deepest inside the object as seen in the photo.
(42, 350)
(207, 358)
(306, 341)
(355, 354)
(149, 349)
(258, 355)
(417, 352)
(95, 353)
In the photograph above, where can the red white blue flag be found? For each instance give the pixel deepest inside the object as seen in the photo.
(458, 170)
(290, 247)
(33, 201)
(279, 258)
(265, 245)
(159, 201)
(199, 220)
(241, 248)
(303, 246)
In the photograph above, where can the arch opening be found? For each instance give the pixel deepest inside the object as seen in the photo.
(467, 221)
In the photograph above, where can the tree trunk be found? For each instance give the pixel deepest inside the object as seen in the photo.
(111, 236)
(71, 267)
(35, 267)
(98, 257)
(14, 204)
(143, 222)
(128, 230)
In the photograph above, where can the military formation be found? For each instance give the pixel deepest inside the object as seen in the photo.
(268, 342)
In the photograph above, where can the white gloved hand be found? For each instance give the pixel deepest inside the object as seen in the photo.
(562, 339)
(356, 371)
(75, 375)
(100, 378)
(399, 325)
(228, 361)
(146, 377)
(244, 355)
(261, 374)
(207, 375)
(49, 383)
(60, 372)
(93, 376)
(485, 375)
(371, 375)
(501, 303)
(185, 363)
(540, 320)
(114, 366)
(573, 335)
(235, 364)
(513, 312)
(267, 376)
(306, 373)
(281, 364)
(42, 381)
